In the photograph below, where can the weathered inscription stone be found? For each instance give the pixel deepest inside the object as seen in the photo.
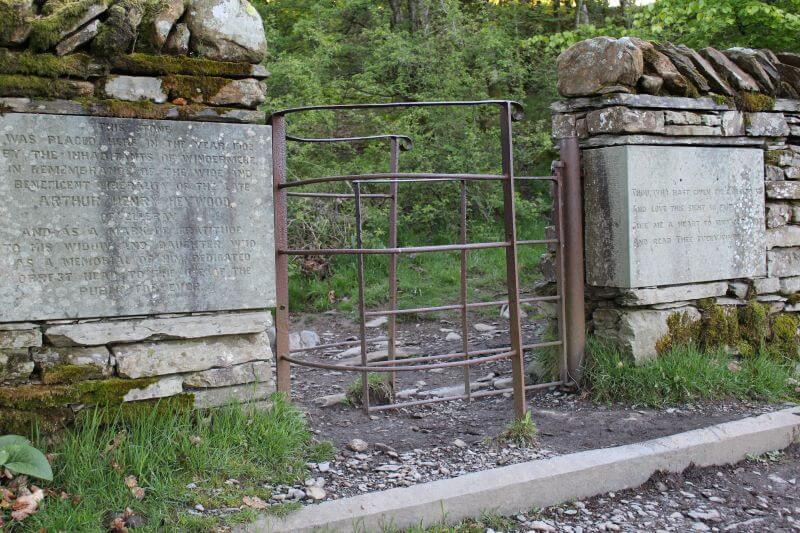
(113, 217)
(667, 215)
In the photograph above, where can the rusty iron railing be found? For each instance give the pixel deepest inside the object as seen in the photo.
(568, 245)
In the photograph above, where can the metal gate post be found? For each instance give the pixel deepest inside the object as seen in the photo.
(282, 367)
(575, 318)
(512, 272)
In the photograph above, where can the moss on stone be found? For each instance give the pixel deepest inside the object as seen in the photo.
(49, 65)
(785, 342)
(754, 323)
(29, 423)
(155, 65)
(774, 157)
(35, 86)
(103, 392)
(12, 17)
(147, 29)
(57, 17)
(193, 88)
(118, 33)
(65, 374)
(125, 109)
(753, 102)
(682, 331)
(719, 327)
(721, 99)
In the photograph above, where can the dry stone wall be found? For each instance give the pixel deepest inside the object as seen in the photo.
(691, 164)
(108, 160)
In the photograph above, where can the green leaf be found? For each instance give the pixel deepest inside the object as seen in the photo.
(3, 457)
(12, 440)
(25, 459)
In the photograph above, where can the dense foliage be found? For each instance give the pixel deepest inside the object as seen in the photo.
(413, 50)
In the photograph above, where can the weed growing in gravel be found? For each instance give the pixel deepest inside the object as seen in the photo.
(380, 390)
(520, 432)
(685, 374)
(178, 458)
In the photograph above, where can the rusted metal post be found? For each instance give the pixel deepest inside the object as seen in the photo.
(283, 369)
(558, 221)
(512, 272)
(463, 292)
(361, 303)
(394, 166)
(574, 319)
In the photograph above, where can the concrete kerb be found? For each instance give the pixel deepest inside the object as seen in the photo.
(518, 488)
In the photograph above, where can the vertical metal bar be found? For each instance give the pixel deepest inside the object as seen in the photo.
(575, 319)
(558, 220)
(283, 369)
(394, 166)
(463, 292)
(512, 273)
(361, 304)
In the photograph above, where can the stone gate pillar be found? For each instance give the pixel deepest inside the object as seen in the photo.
(135, 207)
(691, 162)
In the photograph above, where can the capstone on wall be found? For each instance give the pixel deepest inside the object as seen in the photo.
(136, 213)
(691, 163)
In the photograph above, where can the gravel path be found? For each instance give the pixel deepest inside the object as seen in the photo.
(757, 495)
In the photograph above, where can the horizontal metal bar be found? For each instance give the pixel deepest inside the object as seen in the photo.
(539, 241)
(477, 394)
(474, 305)
(405, 143)
(536, 178)
(335, 195)
(409, 368)
(399, 176)
(413, 359)
(337, 345)
(390, 251)
(517, 111)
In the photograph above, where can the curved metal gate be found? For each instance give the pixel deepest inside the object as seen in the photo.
(568, 244)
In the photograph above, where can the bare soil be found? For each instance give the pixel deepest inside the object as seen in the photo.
(567, 422)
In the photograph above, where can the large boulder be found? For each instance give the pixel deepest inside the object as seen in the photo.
(658, 64)
(227, 30)
(598, 66)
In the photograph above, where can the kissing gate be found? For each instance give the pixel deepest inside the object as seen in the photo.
(568, 243)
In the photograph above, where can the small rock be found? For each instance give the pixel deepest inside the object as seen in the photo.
(303, 340)
(459, 443)
(377, 322)
(483, 328)
(81, 37)
(358, 445)
(706, 516)
(453, 336)
(236, 35)
(538, 525)
(324, 467)
(316, 493)
(178, 41)
(199, 507)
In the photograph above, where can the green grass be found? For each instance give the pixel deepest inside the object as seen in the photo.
(685, 374)
(520, 432)
(380, 390)
(166, 449)
(487, 520)
(425, 279)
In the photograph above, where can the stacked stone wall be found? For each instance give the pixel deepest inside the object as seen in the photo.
(176, 60)
(631, 93)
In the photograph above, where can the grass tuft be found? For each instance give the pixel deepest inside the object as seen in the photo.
(520, 432)
(380, 390)
(167, 449)
(685, 374)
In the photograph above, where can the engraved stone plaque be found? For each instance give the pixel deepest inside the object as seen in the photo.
(668, 215)
(108, 217)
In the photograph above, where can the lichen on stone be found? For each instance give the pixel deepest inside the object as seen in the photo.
(193, 88)
(146, 40)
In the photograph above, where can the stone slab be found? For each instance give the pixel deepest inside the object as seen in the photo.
(251, 392)
(257, 371)
(113, 217)
(637, 331)
(655, 140)
(174, 357)
(639, 100)
(782, 262)
(677, 293)
(157, 328)
(20, 338)
(667, 215)
(163, 388)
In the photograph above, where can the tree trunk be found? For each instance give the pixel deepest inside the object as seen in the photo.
(581, 13)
